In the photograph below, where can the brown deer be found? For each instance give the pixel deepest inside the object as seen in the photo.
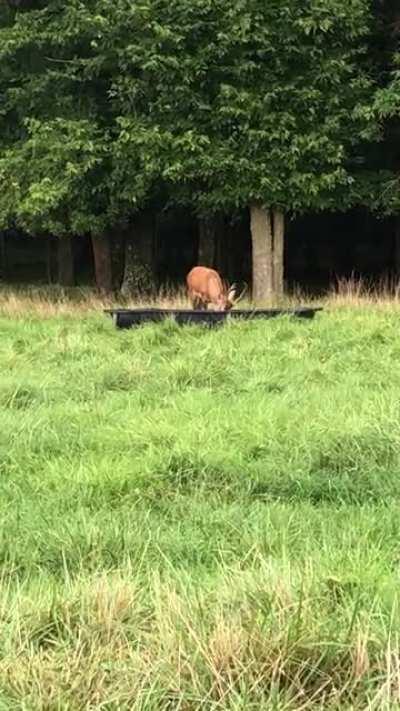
(205, 286)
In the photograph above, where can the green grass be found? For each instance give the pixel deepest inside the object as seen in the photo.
(196, 519)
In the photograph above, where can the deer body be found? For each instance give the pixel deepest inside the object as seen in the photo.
(205, 286)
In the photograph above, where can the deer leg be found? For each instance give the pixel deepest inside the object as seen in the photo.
(196, 303)
(193, 298)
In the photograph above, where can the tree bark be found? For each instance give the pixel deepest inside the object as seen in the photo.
(66, 271)
(139, 257)
(207, 241)
(102, 262)
(263, 268)
(278, 251)
(267, 235)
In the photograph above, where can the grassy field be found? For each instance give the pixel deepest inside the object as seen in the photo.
(197, 519)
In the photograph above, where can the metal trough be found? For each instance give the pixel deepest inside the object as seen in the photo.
(126, 318)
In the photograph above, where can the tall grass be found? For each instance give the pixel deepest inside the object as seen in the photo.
(55, 300)
(195, 519)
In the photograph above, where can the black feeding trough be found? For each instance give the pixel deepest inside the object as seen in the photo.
(126, 318)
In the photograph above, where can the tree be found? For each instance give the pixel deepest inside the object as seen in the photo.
(260, 105)
(48, 184)
(58, 170)
(387, 109)
(218, 106)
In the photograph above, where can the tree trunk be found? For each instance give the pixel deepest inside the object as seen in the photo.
(207, 241)
(102, 262)
(66, 272)
(278, 251)
(262, 253)
(139, 257)
(267, 235)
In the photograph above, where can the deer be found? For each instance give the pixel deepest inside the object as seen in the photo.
(205, 286)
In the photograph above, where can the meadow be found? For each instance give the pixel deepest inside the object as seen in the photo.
(199, 519)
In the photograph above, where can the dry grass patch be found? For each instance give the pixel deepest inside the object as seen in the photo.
(48, 302)
(113, 642)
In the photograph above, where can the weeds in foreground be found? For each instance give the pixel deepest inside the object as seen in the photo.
(258, 639)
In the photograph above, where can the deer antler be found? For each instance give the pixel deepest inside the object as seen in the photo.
(238, 298)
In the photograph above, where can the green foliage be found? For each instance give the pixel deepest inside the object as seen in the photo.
(256, 101)
(387, 100)
(387, 107)
(217, 104)
(56, 167)
(55, 163)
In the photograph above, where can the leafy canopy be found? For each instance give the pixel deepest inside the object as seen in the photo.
(220, 103)
(255, 101)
